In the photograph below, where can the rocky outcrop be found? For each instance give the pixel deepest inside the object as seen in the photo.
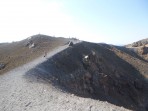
(143, 50)
(139, 48)
(29, 42)
(31, 45)
(140, 43)
(136, 44)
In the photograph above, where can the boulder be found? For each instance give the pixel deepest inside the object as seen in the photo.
(2, 66)
(70, 43)
(135, 44)
(85, 59)
(144, 50)
(29, 42)
(31, 45)
(138, 84)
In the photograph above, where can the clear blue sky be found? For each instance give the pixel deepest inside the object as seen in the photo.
(110, 21)
(118, 20)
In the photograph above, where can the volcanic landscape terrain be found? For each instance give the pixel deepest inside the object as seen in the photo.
(44, 73)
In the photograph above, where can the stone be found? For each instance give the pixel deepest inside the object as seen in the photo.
(70, 43)
(27, 104)
(85, 59)
(93, 53)
(2, 66)
(138, 84)
(144, 50)
(32, 45)
(88, 75)
(29, 42)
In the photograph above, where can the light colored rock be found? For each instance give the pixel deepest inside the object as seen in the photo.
(31, 45)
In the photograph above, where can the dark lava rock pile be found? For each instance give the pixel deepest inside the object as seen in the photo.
(94, 71)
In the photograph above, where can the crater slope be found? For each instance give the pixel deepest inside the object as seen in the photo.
(99, 71)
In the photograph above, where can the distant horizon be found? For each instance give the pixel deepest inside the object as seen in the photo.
(107, 21)
(68, 37)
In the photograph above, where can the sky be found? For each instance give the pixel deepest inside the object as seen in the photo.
(109, 21)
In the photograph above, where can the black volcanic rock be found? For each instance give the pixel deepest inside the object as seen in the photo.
(2, 66)
(97, 71)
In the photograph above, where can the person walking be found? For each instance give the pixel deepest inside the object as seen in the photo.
(45, 53)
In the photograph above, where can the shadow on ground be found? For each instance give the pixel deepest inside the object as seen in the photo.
(102, 76)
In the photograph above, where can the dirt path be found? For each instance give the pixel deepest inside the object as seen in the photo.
(19, 94)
